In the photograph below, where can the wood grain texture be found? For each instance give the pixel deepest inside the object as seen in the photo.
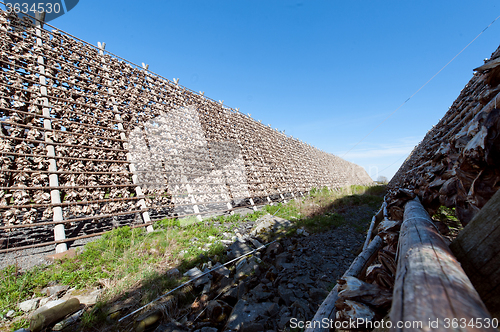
(430, 283)
(477, 248)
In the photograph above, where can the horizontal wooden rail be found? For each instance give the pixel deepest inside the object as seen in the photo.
(63, 204)
(79, 146)
(102, 216)
(88, 125)
(101, 233)
(160, 97)
(64, 132)
(147, 73)
(71, 102)
(121, 172)
(49, 40)
(18, 188)
(51, 77)
(66, 221)
(65, 157)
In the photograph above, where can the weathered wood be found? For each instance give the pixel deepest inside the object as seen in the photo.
(52, 315)
(430, 283)
(377, 218)
(351, 288)
(327, 308)
(477, 249)
(55, 196)
(369, 234)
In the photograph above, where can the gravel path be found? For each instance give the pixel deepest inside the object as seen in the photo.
(28, 258)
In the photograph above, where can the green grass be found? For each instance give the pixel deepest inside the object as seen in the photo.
(22, 323)
(445, 214)
(448, 218)
(322, 222)
(128, 259)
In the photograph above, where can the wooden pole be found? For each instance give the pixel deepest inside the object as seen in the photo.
(196, 208)
(377, 218)
(430, 285)
(52, 315)
(369, 234)
(138, 190)
(477, 249)
(55, 196)
(253, 204)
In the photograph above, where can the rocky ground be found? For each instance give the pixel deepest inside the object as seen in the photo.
(288, 278)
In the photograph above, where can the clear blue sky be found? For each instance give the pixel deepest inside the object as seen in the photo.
(327, 72)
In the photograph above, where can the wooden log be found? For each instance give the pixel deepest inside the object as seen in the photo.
(377, 218)
(430, 284)
(52, 315)
(476, 248)
(369, 235)
(327, 308)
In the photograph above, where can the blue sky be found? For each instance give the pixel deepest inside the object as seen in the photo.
(326, 72)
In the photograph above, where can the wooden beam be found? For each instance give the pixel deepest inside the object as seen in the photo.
(477, 249)
(52, 315)
(430, 284)
(55, 195)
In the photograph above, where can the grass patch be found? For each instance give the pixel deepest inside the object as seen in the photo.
(321, 223)
(445, 214)
(447, 217)
(188, 221)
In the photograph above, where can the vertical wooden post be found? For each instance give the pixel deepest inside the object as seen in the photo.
(132, 169)
(55, 195)
(253, 204)
(229, 208)
(131, 166)
(193, 200)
